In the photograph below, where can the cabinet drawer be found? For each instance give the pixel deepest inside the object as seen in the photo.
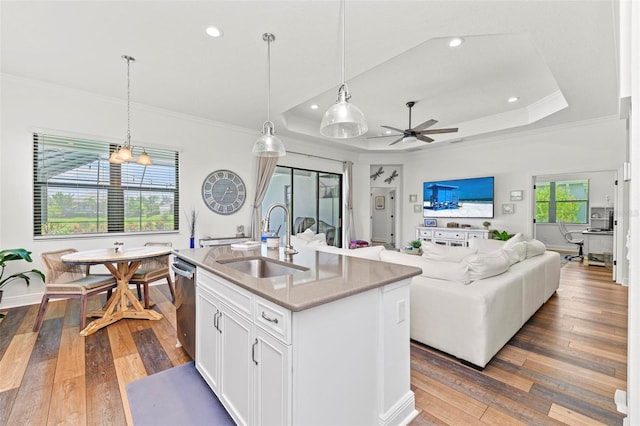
(426, 233)
(273, 318)
(232, 295)
(472, 234)
(451, 235)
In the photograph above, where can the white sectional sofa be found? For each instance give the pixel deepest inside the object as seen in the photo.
(470, 301)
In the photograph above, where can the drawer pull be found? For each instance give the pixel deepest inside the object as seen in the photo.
(273, 320)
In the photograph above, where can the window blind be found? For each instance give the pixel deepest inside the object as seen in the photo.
(77, 191)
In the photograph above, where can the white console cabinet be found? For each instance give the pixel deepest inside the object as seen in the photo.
(450, 236)
(343, 362)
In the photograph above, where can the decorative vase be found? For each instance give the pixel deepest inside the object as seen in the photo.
(192, 242)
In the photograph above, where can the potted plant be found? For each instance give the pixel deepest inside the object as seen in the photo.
(415, 246)
(486, 224)
(16, 254)
(501, 235)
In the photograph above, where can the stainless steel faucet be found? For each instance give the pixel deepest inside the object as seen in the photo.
(289, 251)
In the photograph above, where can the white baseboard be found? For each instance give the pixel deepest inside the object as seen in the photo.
(402, 412)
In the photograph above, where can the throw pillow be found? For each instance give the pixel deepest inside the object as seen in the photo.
(448, 271)
(519, 237)
(535, 248)
(442, 253)
(517, 252)
(487, 265)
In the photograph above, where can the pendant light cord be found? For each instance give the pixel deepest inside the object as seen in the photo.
(343, 40)
(128, 103)
(269, 38)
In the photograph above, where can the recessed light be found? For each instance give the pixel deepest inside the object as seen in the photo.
(314, 106)
(513, 99)
(214, 31)
(455, 42)
(388, 132)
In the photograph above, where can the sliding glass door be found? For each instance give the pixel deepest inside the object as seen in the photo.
(313, 198)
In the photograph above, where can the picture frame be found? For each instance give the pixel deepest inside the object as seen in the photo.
(430, 222)
(413, 198)
(379, 202)
(417, 208)
(516, 195)
(508, 208)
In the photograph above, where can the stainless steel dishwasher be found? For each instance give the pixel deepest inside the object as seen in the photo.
(185, 305)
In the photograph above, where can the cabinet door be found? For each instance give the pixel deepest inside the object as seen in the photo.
(236, 364)
(208, 338)
(272, 364)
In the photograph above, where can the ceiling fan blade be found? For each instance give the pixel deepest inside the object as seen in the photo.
(393, 128)
(425, 125)
(434, 131)
(383, 136)
(397, 140)
(424, 138)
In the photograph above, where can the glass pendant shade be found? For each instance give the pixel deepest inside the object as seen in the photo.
(113, 158)
(144, 159)
(343, 120)
(268, 145)
(124, 154)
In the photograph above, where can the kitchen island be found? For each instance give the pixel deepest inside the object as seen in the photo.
(321, 340)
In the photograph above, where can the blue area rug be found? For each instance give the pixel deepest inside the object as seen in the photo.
(177, 396)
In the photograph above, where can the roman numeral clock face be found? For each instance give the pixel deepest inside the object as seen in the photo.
(223, 192)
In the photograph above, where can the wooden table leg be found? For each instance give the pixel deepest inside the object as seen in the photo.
(123, 303)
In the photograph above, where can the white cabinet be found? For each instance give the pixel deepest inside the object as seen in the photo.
(450, 236)
(273, 380)
(343, 362)
(207, 337)
(247, 368)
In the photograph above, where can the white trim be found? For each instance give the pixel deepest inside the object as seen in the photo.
(401, 413)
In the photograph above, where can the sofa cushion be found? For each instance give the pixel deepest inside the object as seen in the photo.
(482, 245)
(486, 265)
(535, 248)
(516, 252)
(449, 271)
(439, 252)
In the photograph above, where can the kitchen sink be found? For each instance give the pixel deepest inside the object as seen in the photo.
(262, 267)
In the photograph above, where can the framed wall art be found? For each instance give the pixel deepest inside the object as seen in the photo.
(516, 195)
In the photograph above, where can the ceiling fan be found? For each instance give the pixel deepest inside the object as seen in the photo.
(416, 133)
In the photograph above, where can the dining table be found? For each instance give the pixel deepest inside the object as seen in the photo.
(122, 263)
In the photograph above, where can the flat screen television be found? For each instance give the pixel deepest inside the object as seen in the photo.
(470, 198)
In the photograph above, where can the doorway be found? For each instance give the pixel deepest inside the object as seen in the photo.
(383, 212)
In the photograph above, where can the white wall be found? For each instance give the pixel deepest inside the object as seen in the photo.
(513, 160)
(204, 146)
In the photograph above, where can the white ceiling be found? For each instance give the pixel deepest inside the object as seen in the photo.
(559, 57)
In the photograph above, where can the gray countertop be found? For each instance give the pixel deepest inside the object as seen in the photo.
(329, 276)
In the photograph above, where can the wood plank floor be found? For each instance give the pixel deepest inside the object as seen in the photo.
(563, 367)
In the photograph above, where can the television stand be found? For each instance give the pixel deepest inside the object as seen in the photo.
(450, 236)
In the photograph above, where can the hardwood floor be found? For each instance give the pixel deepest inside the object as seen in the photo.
(562, 367)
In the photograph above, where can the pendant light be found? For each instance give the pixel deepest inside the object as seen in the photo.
(124, 153)
(268, 145)
(343, 120)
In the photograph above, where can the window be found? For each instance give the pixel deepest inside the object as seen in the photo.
(562, 200)
(314, 199)
(77, 191)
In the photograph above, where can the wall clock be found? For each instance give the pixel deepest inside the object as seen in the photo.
(224, 192)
